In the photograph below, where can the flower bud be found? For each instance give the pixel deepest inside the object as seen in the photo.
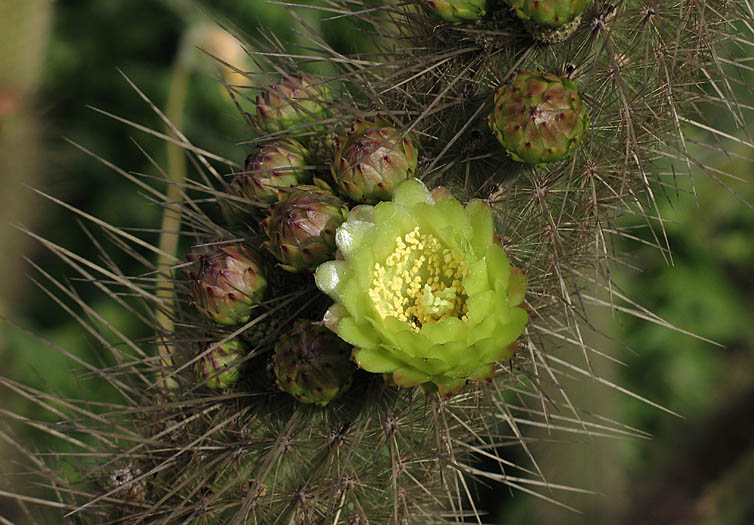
(371, 161)
(301, 227)
(312, 364)
(220, 368)
(229, 282)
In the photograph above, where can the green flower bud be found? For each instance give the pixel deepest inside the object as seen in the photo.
(312, 364)
(458, 10)
(274, 166)
(539, 117)
(547, 13)
(301, 227)
(220, 368)
(298, 100)
(423, 291)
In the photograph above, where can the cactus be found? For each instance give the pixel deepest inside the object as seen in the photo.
(428, 288)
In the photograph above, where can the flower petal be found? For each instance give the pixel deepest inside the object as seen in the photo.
(357, 334)
(480, 306)
(383, 212)
(429, 365)
(483, 373)
(504, 336)
(329, 276)
(411, 192)
(454, 214)
(352, 235)
(476, 279)
(517, 287)
(480, 217)
(447, 386)
(452, 353)
(333, 316)
(493, 351)
(414, 344)
(358, 304)
(498, 266)
(488, 327)
(445, 330)
(363, 212)
(408, 376)
(375, 360)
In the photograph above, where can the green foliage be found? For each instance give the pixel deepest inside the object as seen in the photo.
(707, 293)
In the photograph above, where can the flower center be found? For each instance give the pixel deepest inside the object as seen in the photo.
(420, 282)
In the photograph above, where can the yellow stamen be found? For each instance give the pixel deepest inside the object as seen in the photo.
(420, 282)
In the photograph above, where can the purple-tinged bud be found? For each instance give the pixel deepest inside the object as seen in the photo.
(274, 166)
(228, 283)
(371, 161)
(301, 227)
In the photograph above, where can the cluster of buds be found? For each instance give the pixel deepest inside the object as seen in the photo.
(549, 21)
(424, 295)
(538, 117)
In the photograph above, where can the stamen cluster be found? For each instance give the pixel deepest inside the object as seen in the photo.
(420, 282)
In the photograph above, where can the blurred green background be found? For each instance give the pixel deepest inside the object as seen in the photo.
(59, 57)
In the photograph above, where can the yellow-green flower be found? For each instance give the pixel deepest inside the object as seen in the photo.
(423, 291)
